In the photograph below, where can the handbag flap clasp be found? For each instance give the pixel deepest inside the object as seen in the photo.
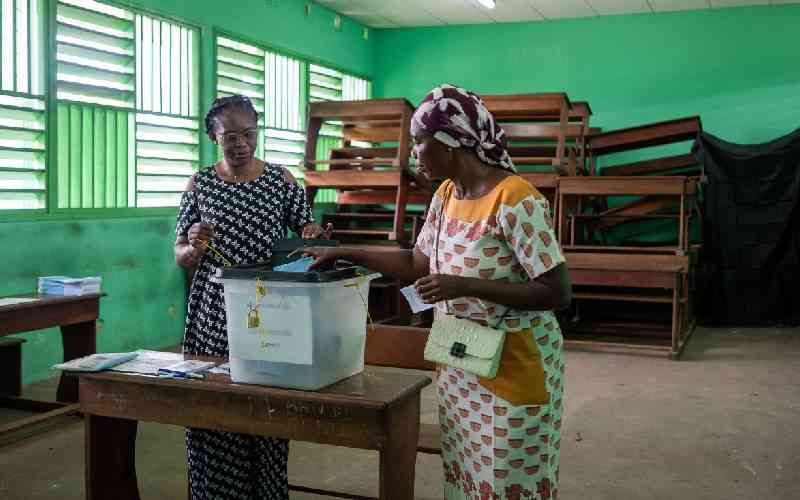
(458, 350)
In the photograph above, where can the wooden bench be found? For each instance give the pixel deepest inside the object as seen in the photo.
(656, 279)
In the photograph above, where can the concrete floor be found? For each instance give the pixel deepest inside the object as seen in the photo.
(724, 423)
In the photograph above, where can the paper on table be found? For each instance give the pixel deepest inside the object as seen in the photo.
(190, 366)
(224, 369)
(96, 362)
(148, 362)
(16, 300)
(414, 300)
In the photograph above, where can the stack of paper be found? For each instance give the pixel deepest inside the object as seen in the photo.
(64, 285)
(96, 362)
(141, 362)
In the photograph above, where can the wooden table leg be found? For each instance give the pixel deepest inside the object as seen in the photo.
(399, 455)
(111, 458)
(11, 366)
(78, 341)
(676, 327)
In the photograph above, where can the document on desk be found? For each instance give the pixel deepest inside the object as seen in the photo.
(224, 369)
(96, 362)
(148, 362)
(10, 301)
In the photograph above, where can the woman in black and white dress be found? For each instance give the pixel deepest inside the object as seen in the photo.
(242, 206)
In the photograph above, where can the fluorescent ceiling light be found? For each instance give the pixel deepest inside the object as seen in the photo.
(489, 4)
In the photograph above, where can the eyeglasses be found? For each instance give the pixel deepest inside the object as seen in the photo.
(232, 138)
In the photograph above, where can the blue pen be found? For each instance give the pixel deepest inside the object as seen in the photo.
(176, 374)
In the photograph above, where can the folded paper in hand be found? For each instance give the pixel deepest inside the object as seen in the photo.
(414, 300)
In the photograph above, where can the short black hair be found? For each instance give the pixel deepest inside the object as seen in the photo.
(222, 103)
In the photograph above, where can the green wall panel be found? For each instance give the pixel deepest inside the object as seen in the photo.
(738, 68)
(145, 303)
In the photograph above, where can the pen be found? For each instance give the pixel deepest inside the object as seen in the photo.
(175, 374)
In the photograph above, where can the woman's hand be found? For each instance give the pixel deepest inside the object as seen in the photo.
(199, 235)
(314, 231)
(438, 287)
(189, 249)
(322, 255)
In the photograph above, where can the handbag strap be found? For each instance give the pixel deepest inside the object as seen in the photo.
(448, 194)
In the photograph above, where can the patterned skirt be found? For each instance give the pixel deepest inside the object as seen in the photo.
(492, 449)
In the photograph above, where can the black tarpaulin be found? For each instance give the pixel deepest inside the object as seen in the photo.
(750, 264)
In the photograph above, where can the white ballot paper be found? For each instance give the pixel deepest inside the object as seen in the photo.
(414, 300)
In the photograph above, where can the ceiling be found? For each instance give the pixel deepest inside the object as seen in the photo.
(406, 13)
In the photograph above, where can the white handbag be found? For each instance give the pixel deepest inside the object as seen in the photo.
(463, 343)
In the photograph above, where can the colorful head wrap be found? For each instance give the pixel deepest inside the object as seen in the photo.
(459, 119)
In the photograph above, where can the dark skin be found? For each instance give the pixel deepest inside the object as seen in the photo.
(236, 132)
(550, 291)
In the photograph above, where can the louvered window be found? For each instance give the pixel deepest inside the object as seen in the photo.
(127, 86)
(23, 141)
(240, 70)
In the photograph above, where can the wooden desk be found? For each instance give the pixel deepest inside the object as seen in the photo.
(659, 192)
(76, 316)
(373, 120)
(374, 410)
(652, 276)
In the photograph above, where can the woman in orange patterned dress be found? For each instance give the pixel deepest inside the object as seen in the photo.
(487, 252)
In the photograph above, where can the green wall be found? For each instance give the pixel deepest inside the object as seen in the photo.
(145, 303)
(739, 69)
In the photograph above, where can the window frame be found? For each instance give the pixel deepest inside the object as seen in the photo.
(281, 51)
(44, 6)
(206, 150)
(53, 101)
